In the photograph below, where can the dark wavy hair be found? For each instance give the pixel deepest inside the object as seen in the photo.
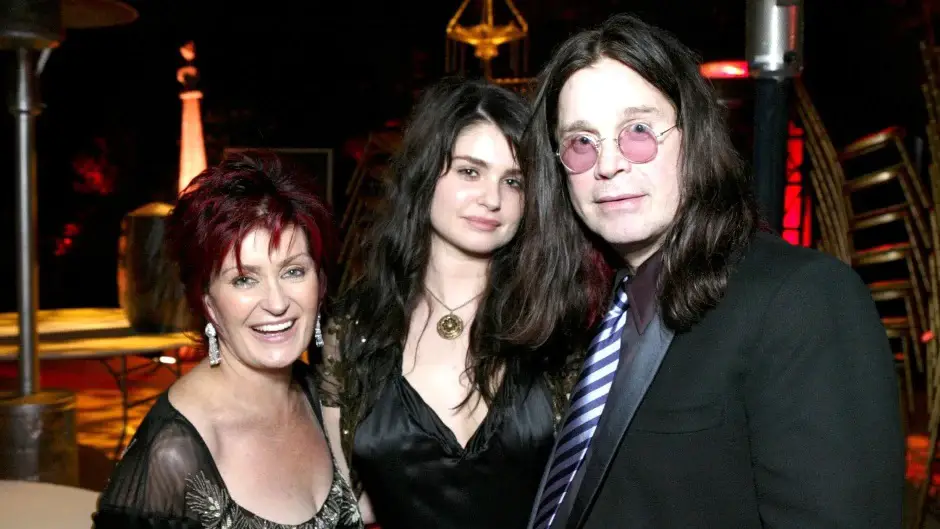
(378, 307)
(717, 213)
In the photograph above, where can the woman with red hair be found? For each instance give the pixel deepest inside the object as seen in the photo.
(238, 441)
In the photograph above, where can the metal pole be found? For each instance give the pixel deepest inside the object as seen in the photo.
(774, 51)
(771, 121)
(25, 108)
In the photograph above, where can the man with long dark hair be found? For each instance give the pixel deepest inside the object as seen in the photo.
(734, 381)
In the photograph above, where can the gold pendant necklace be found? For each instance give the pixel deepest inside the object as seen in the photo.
(450, 326)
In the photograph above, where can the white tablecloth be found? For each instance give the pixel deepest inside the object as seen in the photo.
(29, 505)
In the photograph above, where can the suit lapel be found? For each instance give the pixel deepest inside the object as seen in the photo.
(644, 357)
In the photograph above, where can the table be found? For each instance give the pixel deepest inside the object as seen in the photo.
(92, 333)
(31, 505)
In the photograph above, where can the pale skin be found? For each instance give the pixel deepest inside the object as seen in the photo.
(257, 423)
(630, 205)
(476, 209)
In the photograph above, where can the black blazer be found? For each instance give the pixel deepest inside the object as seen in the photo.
(778, 410)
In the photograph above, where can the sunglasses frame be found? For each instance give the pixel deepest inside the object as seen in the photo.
(599, 142)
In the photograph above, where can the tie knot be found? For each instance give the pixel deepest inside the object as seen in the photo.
(622, 286)
(620, 300)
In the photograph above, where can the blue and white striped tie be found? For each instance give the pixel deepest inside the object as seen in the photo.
(587, 403)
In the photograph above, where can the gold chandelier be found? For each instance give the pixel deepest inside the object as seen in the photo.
(486, 37)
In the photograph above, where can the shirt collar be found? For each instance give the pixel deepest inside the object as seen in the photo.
(642, 290)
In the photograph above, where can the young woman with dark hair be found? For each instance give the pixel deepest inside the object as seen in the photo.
(444, 378)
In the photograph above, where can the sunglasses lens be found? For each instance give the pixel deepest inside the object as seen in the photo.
(637, 146)
(578, 154)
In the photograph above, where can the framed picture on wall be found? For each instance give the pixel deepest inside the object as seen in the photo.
(317, 163)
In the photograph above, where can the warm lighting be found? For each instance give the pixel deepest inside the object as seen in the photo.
(486, 37)
(724, 69)
(167, 360)
(916, 458)
(192, 143)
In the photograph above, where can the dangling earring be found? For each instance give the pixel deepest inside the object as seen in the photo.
(318, 334)
(211, 338)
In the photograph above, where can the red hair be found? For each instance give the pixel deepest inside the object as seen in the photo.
(225, 203)
(598, 275)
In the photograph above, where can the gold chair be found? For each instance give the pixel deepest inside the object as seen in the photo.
(840, 224)
(932, 372)
(902, 171)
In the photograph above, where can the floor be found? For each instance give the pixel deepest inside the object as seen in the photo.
(99, 416)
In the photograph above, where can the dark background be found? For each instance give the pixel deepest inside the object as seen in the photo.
(323, 74)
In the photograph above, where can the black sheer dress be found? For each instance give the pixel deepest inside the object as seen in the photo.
(167, 479)
(417, 475)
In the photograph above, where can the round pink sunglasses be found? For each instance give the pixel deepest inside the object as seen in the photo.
(637, 142)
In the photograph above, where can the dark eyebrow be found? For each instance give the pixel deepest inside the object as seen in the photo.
(627, 114)
(471, 159)
(483, 165)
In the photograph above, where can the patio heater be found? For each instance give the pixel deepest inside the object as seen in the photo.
(774, 50)
(37, 428)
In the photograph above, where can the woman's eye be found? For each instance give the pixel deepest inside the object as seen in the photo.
(242, 281)
(296, 272)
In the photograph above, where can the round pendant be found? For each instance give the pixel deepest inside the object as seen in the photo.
(450, 327)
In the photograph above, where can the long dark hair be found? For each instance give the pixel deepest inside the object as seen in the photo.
(717, 212)
(377, 309)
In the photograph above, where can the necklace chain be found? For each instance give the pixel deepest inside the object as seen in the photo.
(448, 308)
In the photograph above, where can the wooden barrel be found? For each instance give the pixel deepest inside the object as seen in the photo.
(149, 287)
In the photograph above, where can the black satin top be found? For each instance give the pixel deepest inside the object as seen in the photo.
(418, 476)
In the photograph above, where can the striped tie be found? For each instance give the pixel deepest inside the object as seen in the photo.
(587, 403)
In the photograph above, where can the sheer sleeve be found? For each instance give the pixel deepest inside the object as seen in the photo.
(330, 376)
(339, 417)
(562, 377)
(148, 486)
(330, 369)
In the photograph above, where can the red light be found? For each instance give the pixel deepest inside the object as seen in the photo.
(355, 148)
(724, 70)
(797, 215)
(62, 246)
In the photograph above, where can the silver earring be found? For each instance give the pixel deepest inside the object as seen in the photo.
(318, 334)
(211, 338)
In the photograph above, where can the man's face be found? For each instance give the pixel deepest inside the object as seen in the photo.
(630, 204)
